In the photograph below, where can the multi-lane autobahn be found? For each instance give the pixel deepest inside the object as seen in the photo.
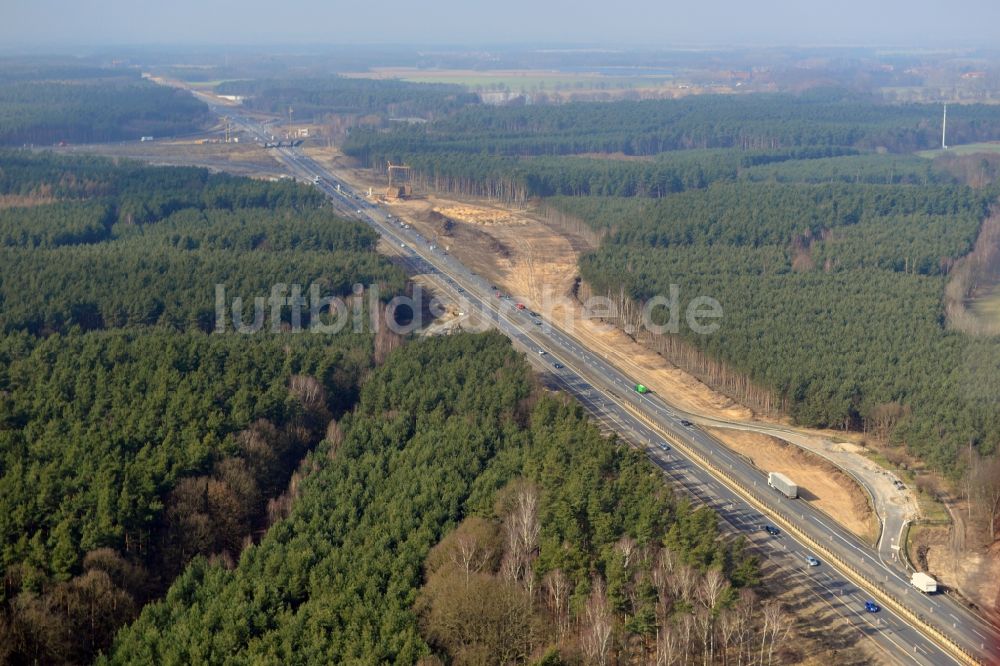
(910, 627)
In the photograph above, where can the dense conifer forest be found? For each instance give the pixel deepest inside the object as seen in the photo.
(529, 533)
(132, 438)
(833, 300)
(828, 243)
(164, 478)
(77, 104)
(315, 98)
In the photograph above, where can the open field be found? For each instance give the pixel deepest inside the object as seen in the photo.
(246, 159)
(518, 79)
(986, 306)
(965, 149)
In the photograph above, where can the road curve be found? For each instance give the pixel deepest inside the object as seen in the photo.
(911, 628)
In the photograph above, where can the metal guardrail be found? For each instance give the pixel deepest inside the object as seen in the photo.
(862, 580)
(874, 587)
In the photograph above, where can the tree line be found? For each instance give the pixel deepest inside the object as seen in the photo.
(314, 98)
(132, 438)
(832, 297)
(459, 512)
(60, 106)
(819, 118)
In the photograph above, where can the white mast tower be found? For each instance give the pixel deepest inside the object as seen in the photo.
(944, 129)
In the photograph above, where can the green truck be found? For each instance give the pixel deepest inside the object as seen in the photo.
(639, 388)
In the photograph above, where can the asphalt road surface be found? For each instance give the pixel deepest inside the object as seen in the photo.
(911, 627)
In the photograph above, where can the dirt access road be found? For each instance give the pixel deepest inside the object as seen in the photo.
(533, 258)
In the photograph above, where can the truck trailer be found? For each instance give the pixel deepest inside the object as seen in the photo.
(783, 484)
(923, 582)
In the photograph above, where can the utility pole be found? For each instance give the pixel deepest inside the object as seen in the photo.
(944, 128)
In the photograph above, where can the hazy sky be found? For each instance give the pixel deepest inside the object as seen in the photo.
(620, 22)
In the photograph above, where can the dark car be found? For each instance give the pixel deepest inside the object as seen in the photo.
(772, 530)
(872, 607)
(686, 423)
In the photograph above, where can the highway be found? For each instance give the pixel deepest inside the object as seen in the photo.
(911, 628)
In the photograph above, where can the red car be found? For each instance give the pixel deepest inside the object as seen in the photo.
(520, 306)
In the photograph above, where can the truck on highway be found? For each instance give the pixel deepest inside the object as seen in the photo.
(783, 484)
(923, 582)
(639, 388)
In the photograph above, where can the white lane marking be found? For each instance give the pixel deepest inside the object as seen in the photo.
(619, 380)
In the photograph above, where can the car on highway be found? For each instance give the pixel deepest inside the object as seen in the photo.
(813, 562)
(542, 352)
(557, 366)
(772, 530)
(520, 306)
(872, 607)
(664, 446)
(686, 423)
(532, 314)
(538, 322)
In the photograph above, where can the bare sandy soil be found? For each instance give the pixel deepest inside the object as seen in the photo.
(534, 260)
(820, 482)
(938, 549)
(246, 159)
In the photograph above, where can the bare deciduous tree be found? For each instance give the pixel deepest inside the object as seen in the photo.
(597, 626)
(777, 624)
(685, 580)
(713, 585)
(521, 529)
(984, 489)
(666, 645)
(557, 590)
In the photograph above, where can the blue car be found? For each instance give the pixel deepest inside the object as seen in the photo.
(872, 607)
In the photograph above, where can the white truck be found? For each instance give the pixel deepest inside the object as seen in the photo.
(783, 484)
(923, 582)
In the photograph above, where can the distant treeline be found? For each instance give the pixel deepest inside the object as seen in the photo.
(819, 118)
(668, 146)
(46, 106)
(515, 180)
(127, 245)
(313, 98)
